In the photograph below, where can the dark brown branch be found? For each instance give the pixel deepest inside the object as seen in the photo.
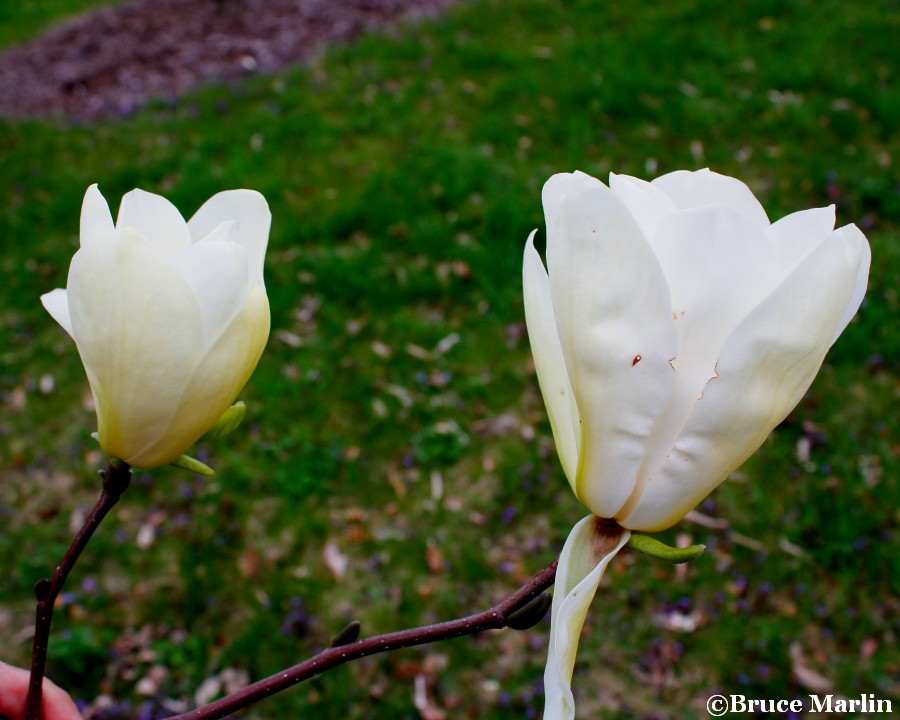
(495, 618)
(115, 481)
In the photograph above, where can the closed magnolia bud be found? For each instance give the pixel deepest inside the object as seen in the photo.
(169, 317)
(675, 329)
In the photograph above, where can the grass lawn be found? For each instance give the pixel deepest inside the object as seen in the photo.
(394, 421)
(21, 20)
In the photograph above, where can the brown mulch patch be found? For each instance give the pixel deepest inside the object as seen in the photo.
(109, 62)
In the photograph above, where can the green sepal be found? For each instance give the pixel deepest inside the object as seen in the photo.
(652, 547)
(229, 421)
(186, 462)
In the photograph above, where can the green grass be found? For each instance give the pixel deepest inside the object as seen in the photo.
(404, 175)
(22, 20)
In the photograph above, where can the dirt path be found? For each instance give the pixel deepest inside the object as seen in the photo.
(110, 61)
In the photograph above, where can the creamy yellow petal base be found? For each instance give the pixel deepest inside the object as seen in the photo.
(549, 362)
(215, 383)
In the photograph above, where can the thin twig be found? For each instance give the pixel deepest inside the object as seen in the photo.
(495, 618)
(115, 481)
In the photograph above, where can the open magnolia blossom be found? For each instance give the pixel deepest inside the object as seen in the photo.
(674, 328)
(170, 317)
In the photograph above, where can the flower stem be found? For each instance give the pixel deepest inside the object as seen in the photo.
(116, 479)
(495, 618)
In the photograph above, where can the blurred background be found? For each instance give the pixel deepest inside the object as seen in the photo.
(396, 465)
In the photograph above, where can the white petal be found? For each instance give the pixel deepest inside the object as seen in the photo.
(138, 328)
(216, 380)
(613, 315)
(219, 275)
(155, 218)
(796, 234)
(647, 203)
(562, 184)
(56, 303)
(693, 189)
(719, 266)
(549, 361)
(581, 566)
(716, 263)
(96, 219)
(252, 219)
(853, 238)
(223, 232)
(765, 366)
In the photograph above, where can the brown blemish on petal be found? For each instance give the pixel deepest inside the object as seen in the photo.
(605, 535)
(637, 359)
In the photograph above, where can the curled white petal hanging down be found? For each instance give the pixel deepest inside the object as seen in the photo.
(589, 549)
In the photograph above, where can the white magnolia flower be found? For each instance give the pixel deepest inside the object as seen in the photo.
(675, 329)
(170, 317)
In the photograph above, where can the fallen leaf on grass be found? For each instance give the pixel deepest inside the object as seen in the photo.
(435, 558)
(248, 563)
(804, 675)
(335, 560)
(149, 685)
(424, 703)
